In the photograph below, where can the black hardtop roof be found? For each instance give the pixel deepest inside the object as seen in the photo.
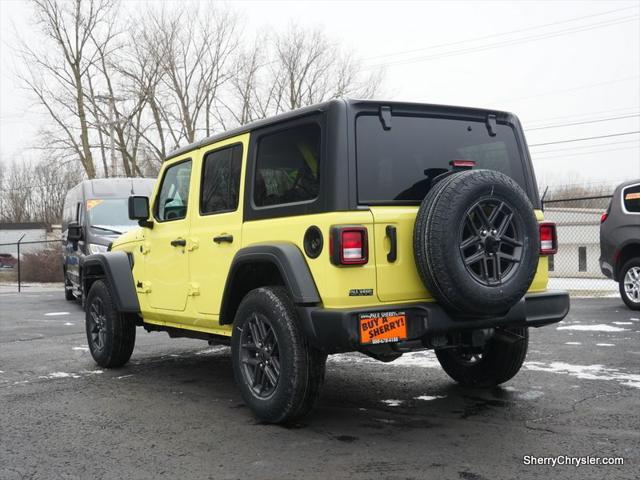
(322, 107)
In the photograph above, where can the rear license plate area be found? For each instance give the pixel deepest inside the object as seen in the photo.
(382, 327)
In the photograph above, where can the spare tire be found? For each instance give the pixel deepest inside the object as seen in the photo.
(476, 242)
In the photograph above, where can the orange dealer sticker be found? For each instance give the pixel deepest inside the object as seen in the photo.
(382, 327)
(93, 203)
(632, 196)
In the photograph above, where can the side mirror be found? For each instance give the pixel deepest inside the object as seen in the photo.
(74, 231)
(139, 210)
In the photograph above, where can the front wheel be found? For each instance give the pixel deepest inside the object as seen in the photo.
(68, 288)
(110, 334)
(498, 361)
(278, 373)
(630, 283)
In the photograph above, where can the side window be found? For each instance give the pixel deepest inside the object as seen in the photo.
(287, 166)
(631, 199)
(221, 180)
(173, 196)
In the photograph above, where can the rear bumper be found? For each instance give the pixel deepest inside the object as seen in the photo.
(337, 330)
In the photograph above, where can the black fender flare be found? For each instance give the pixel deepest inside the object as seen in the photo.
(115, 267)
(289, 261)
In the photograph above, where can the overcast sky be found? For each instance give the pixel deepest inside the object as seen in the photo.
(551, 63)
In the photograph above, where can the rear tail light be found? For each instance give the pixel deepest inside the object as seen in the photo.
(349, 246)
(548, 239)
(603, 217)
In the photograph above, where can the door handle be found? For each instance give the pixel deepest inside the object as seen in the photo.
(223, 238)
(392, 256)
(179, 242)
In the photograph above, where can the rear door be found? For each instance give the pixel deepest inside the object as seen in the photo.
(397, 162)
(217, 224)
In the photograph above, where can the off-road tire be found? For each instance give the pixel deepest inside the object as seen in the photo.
(634, 262)
(437, 243)
(501, 360)
(302, 367)
(119, 336)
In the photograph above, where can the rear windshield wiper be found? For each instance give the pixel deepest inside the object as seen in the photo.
(106, 229)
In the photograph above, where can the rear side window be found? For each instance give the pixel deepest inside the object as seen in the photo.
(173, 196)
(221, 180)
(631, 199)
(399, 164)
(287, 166)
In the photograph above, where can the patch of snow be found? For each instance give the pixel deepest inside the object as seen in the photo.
(593, 328)
(55, 314)
(428, 398)
(217, 348)
(424, 359)
(587, 372)
(393, 403)
(55, 375)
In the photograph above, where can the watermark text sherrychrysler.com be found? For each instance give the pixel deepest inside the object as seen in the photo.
(559, 460)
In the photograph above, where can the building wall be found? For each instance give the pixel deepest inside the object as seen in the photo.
(578, 228)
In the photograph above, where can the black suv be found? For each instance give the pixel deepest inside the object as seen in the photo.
(620, 242)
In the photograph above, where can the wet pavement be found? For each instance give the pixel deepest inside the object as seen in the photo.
(174, 411)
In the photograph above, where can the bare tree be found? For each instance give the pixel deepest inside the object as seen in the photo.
(58, 76)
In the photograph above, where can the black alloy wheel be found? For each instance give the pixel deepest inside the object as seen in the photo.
(260, 356)
(490, 242)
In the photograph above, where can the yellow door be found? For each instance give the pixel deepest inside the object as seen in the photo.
(165, 246)
(217, 221)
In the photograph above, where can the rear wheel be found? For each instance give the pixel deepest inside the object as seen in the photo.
(110, 334)
(498, 361)
(630, 283)
(278, 373)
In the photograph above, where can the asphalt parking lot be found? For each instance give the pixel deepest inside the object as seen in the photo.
(174, 411)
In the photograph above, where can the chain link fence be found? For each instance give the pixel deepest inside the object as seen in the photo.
(24, 264)
(576, 266)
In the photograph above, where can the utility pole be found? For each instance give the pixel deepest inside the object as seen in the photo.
(111, 103)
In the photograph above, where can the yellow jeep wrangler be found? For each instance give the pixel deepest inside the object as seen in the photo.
(377, 227)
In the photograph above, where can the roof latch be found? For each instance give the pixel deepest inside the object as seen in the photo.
(385, 117)
(491, 125)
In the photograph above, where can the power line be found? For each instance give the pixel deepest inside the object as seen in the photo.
(506, 43)
(578, 116)
(595, 152)
(566, 90)
(582, 147)
(493, 35)
(586, 138)
(581, 123)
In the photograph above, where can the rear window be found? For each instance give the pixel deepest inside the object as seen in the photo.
(631, 199)
(399, 164)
